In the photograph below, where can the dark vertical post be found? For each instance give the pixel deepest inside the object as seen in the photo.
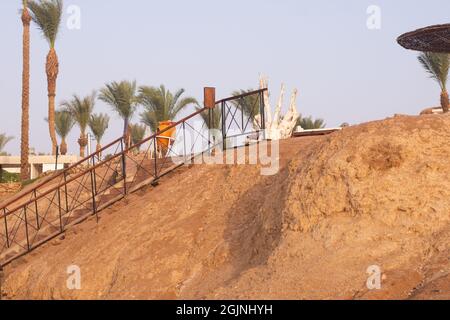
(60, 210)
(95, 175)
(210, 125)
(224, 125)
(57, 155)
(155, 150)
(36, 209)
(124, 169)
(6, 227)
(242, 115)
(65, 191)
(263, 114)
(184, 141)
(94, 206)
(26, 227)
(209, 102)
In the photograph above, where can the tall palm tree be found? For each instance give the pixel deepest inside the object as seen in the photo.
(25, 125)
(122, 98)
(437, 65)
(64, 122)
(98, 124)
(81, 110)
(309, 123)
(161, 105)
(4, 139)
(137, 133)
(47, 16)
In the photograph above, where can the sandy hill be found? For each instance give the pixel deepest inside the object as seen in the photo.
(374, 194)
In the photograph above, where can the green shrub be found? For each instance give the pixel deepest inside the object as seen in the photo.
(6, 177)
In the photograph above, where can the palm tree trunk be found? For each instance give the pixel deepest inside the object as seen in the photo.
(97, 149)
(63, 147)
(126, 132)
(52, 70)
(83, 143)
(444, 101)
(25, 125)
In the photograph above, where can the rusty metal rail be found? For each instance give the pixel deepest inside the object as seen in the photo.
(72, 195)
(93, 184)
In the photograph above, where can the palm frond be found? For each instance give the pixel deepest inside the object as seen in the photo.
(121, 97)
(137, 133)
(80, 109)
(216, 119)
(437, 65)
(4, 139)
(161, 105)
(183, 103)
(150, 119)
(98, 123)
(309, 123)
(64, 122)
(47, 15)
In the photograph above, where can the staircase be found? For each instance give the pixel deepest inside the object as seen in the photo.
(47, 209)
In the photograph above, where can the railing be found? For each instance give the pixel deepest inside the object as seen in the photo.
(94, 183)
(243, 118)
(72, 195)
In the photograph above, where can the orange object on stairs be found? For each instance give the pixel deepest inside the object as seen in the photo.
(166, 138)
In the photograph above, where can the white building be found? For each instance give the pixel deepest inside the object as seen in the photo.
(38, 164)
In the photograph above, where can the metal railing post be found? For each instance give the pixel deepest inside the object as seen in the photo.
(95, 175)
(155, 149)
(124, 169)
(184, 141)
(65, 191)
(61, 226)
(263, 114)
(26, 227)
(36, 209)
(6, 227)
(94, 206)
(224, 125)
(242, 117)
(211, 125)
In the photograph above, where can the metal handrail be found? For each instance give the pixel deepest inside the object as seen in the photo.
(67, 177)
(91, 168)
(58, 174)
(242, 95)
(97, 152)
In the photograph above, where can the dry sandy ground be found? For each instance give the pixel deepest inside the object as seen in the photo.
(375, 194)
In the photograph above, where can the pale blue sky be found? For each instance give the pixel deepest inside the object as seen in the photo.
(344, 72)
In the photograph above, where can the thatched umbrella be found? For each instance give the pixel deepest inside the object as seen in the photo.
(430, 39)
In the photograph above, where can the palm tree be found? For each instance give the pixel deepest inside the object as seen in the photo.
(47, 15)
(81, 110)
(309, 124)
(122, 98)
(437, 65)
(137, 133)
(4, 139)
(64, 122)
(98, 124)
(25, 126)
(161, 105)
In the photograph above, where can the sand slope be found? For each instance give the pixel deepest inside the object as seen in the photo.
(375, 194)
